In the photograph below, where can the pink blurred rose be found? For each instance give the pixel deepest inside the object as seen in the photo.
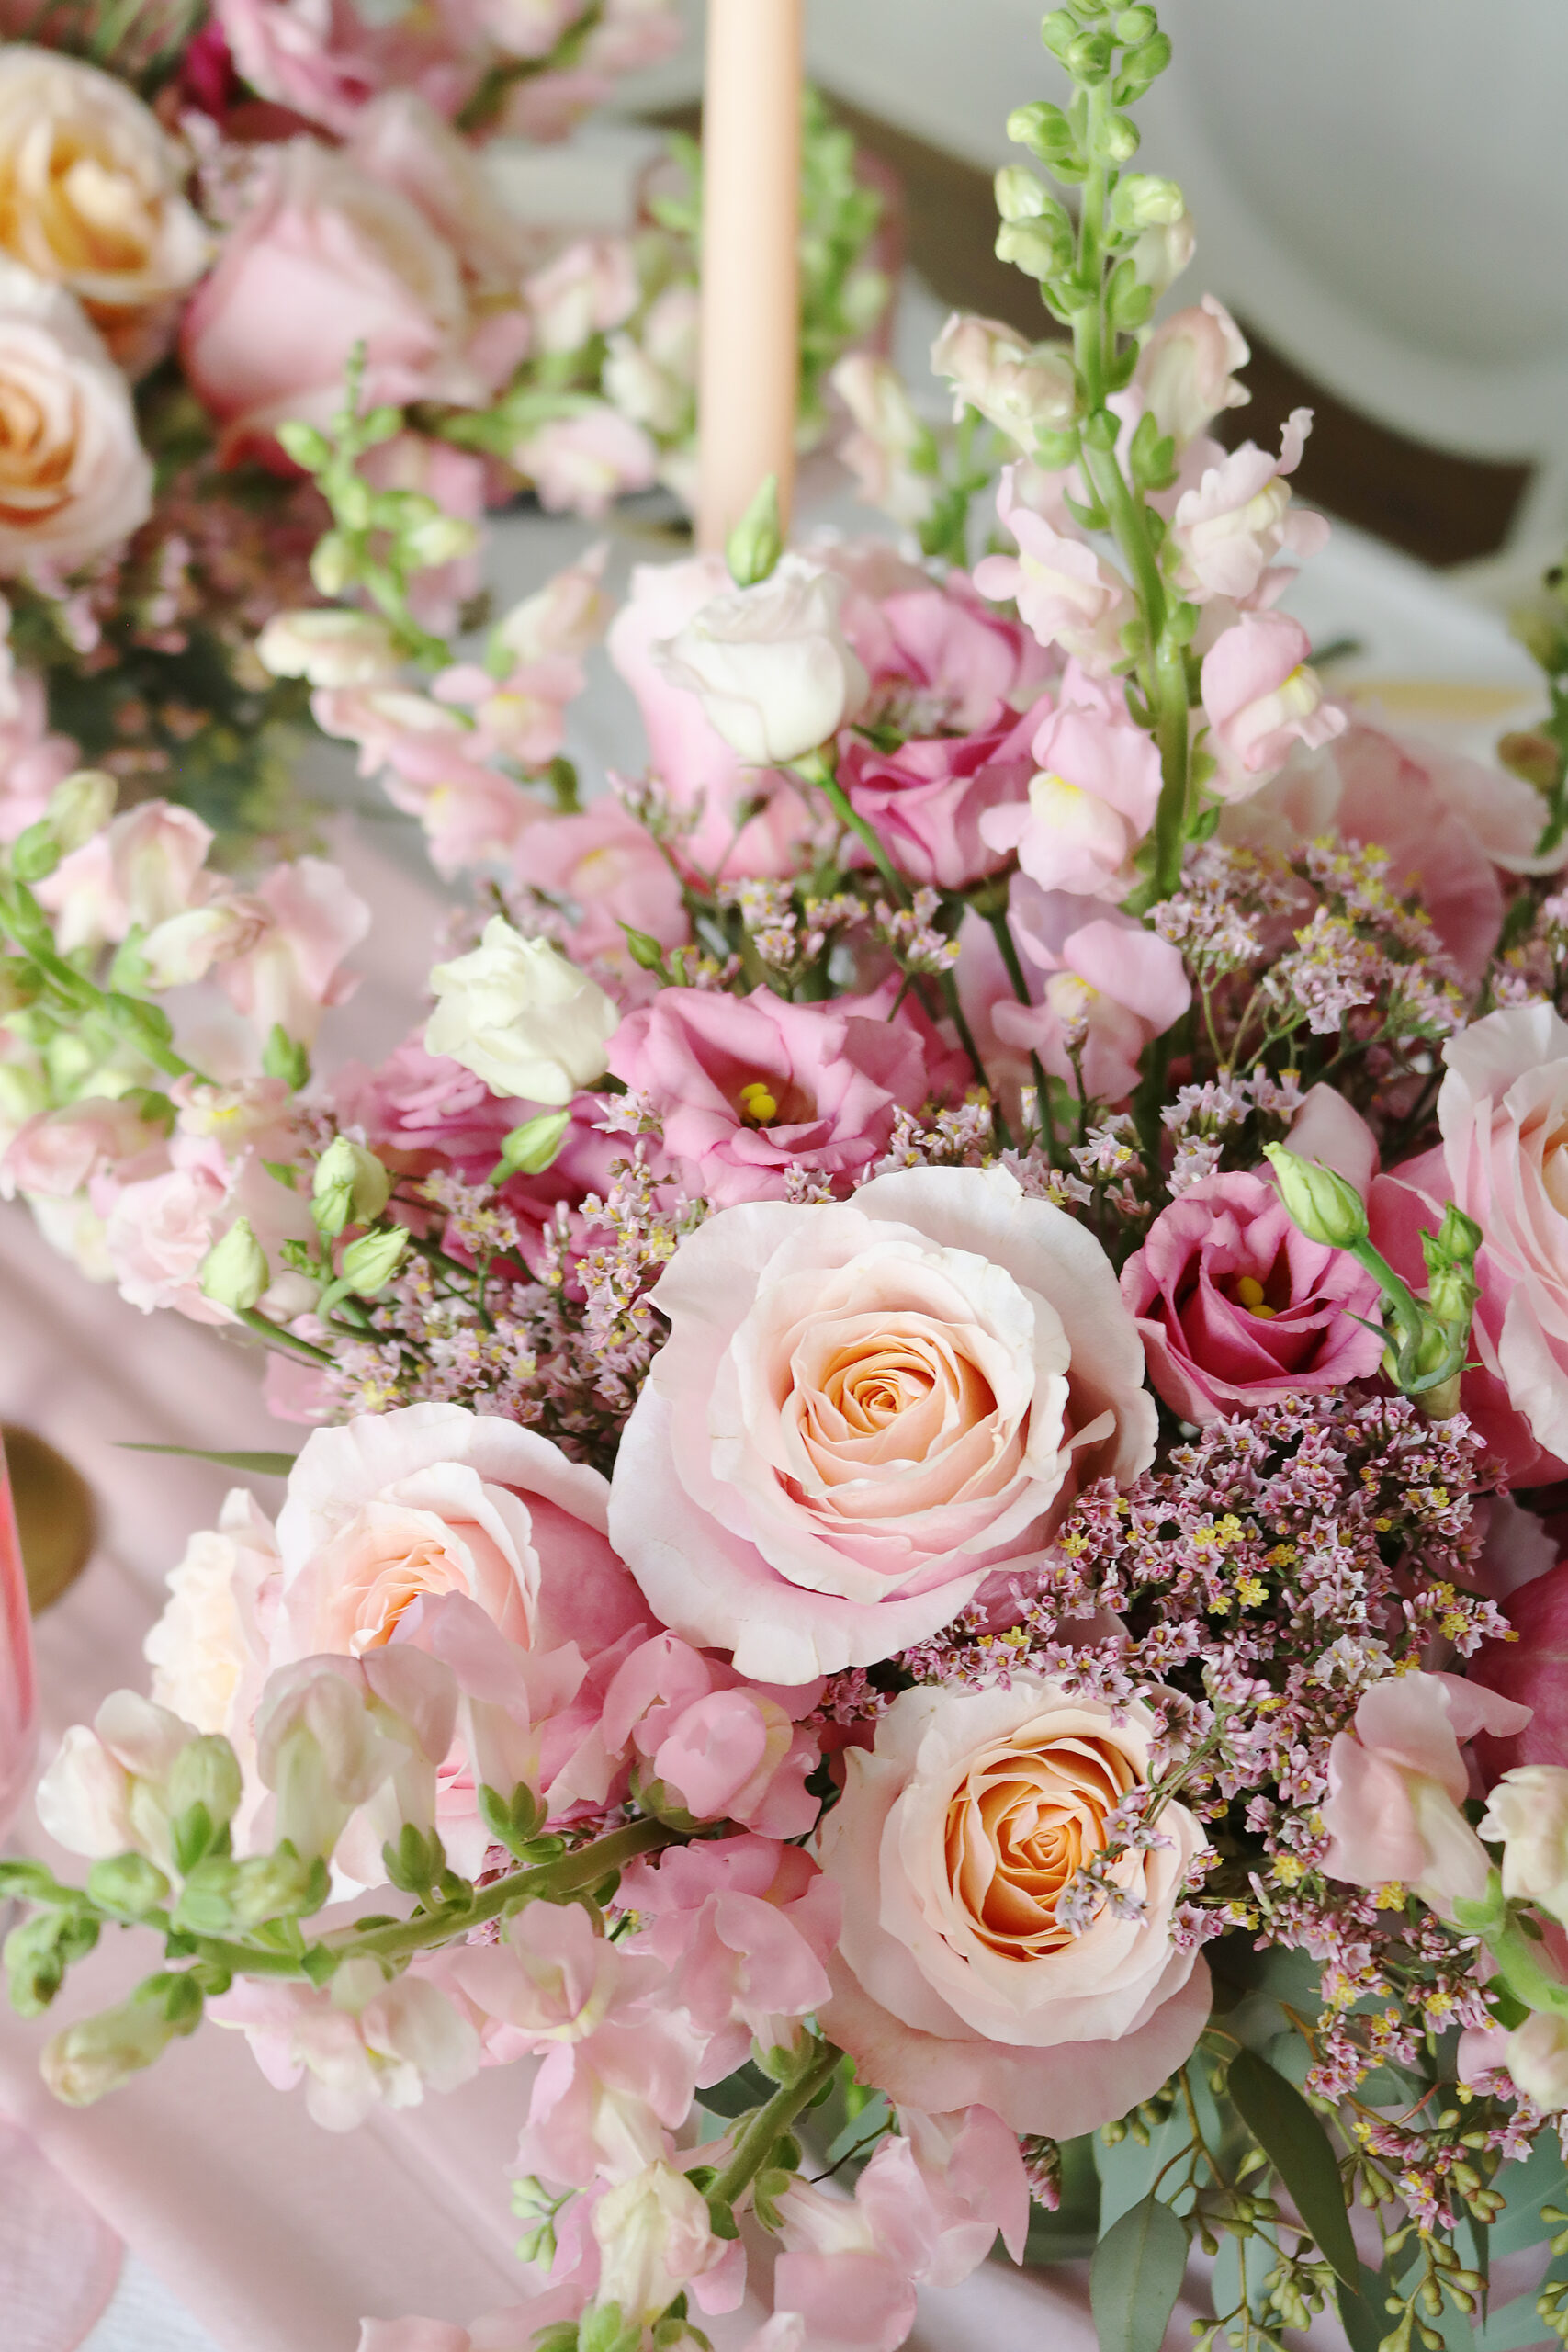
(1232, 526)
(325, 257)
(326, 60)
(702, 777)
(401, 141)
(1259, 698)
(955, 1982)
(710, 1745)
(1091, 800)
(1236, 1308)
(1068, 595)
(1397, 1783)
(748, 1087)
(78, 481)
(433, 1499)
(581, 464)
(863, 1408)
(744, 1925)
(611, 872)
(926, 800)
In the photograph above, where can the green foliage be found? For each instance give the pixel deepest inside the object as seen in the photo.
(1135, 2277)
(1298, 2147)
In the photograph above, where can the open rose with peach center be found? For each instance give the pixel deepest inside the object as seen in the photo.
(958, 1980)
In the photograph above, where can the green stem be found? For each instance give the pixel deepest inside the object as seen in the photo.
(768, 2125)
(815, 769)
(1007, 948)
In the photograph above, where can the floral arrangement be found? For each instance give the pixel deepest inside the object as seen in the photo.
(927, 1564)
(205, 216)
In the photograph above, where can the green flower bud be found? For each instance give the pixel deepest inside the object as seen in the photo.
(370, 1264)
(277, 1886)
(442, 538)
(1457, 1240)
(529, 1149)
(35, 853)
(332, 564)
(1044, 130)
(205, 1772)
(1020, 196)
(234, 1272)
(1451, 1294)
(1144, 201)
(101, 2053)
(1136, 25)
(129, 1885)
(350, 1187)
(282, 1057)
(1037, 247)
(305, 444)
(1325, 1206)
(80, 806)
(1120, 139)
(1087, 57)
(755, 545)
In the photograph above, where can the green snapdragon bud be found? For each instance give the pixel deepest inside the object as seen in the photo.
(128, 1885)
(1325, 1206)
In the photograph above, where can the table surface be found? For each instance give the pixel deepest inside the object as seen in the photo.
(246, 2229)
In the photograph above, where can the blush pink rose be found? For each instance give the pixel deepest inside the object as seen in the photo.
(1236, 1308)
(748, 1087)
(864, 1408)
(954, 1982)
(324, 258)
(434, 1499)
(926, 800)
(1396, 1782)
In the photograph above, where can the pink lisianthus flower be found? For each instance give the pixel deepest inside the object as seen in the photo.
(1397, 1780)
(707, 788)
(1068, 595)
(1236, 1308)
(1101, 987)
(1091, 800)
(938, 658)
(744, 1926)
(1231, 528)
(611, 873)
(926, 800)
(955, 1982)
(710, 1745)
(1532, 1670)
(863, 1408)
(747, 1089)
(1260, 697)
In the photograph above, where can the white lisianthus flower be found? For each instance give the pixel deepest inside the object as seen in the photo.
(1527, 1812)
(771, 664)
(521, 1017)
(335, 646)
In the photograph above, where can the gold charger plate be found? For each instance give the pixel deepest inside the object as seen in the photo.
(55, 1519)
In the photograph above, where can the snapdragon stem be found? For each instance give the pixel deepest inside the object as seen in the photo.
(768, 2125)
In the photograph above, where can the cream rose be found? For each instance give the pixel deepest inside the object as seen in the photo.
(90, 197)
(954, 1982)
(74, 480)
(863, 1410)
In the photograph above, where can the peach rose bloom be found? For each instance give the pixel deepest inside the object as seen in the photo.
(955, 1982)
(74, 480)
(436, 1499)
(863, 1410)
(90, 197)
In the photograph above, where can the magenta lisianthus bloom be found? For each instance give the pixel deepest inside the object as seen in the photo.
(926, 800)
(1236, 1306)
(748, 1087)
(1532, 1670)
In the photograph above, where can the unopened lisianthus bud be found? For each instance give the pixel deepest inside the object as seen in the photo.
(529, 1149)
(235, 1273)
(521, 1017)
(755, 545)
(80, 806)
(333, 648)
(1325, 1206)
(350, 1187)
(370, 1264)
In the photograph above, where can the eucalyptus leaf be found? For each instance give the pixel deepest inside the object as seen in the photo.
(251, 1465)
(1135, 2278)
(1298, 2147)
(738, 2092)
(1362, 2315)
